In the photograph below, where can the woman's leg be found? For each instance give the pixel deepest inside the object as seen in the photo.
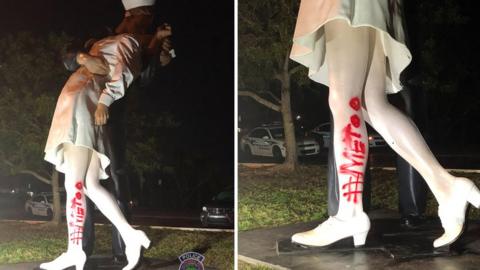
(106, 203)
(405, 139)
(77, 160)
(348, 53)
(398, 130)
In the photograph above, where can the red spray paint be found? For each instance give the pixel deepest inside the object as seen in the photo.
(354, 151)
(77, 213)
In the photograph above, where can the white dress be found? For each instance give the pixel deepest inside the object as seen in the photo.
(383, 15)
(73, 119)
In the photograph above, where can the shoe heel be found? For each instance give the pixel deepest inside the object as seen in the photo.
(81, 263)
(360, 238)
(145, 242)
(473, 196)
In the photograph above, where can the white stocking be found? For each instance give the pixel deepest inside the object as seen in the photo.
(82, 178)
(348, 53)
(399, 131)
(103, 199)
(134, 239)
(452, 193)
(77, 160)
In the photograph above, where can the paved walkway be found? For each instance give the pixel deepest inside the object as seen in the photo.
(102, 263)
(389, 246)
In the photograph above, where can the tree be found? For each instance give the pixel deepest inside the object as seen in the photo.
(446, 60)
(265, 71)
(31, 76)
(161, 146)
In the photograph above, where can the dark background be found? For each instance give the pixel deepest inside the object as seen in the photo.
(197, 88)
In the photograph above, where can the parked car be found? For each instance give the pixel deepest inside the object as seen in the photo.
(42, 204)
(322, 134)
(269, 141)
(375, 140)
(219, 210)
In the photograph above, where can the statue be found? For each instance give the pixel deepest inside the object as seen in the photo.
(77, 140)
(115, 130)
(357, 48)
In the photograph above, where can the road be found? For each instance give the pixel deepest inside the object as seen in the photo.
(11, 208)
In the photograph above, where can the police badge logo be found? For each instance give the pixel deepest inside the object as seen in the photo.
(191, 261)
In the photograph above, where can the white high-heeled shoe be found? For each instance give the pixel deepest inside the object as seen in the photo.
(333, 230)
(133, 247)
(452, 212)
(75, 258)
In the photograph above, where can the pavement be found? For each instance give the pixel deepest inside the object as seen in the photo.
(389, 246)
(104, 262)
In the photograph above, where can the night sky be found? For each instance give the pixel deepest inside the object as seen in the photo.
(197, 87)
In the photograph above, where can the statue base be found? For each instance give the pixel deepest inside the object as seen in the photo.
(395, 241)
(390, 244)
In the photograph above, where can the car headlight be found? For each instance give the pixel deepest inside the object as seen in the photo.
(204, 208)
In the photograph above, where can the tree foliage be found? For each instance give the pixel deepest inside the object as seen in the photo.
(31, 76)
(265, 33)
(446, 59)
(148, 135)
(440, 30)
(265, 71)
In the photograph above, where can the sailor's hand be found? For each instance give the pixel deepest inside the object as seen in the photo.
(165, 56)
(94, 64)
(167, 45)
(101, 114)
(163, 31)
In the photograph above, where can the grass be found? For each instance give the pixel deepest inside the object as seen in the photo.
(269, 198)
(22, 242)
(246, 266)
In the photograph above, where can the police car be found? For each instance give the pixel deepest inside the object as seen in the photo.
(42, 204)
(269, 141)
